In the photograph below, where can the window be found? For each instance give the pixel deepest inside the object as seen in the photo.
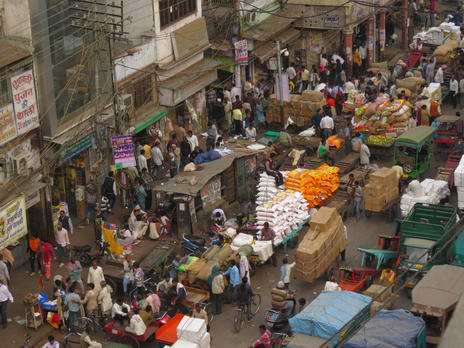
(173, 10)
(143, 92)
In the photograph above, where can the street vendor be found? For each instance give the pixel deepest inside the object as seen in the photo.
(267, 233)
(269, 167)
(218, 216)
(133, 217)
(324, 153)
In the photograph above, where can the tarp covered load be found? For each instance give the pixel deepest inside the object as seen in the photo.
(328, 313)
(315, 185)
(397, 328)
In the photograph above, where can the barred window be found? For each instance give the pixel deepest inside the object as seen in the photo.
(173, 10)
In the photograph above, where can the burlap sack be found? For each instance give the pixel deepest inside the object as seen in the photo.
(452, 44)
(418, 80)
(406, 91)
(441, 50)
(195, 269)
(371, 109)
(209, 254)
(223, 254)
(413, 86)
(207, 269)
(313, 96)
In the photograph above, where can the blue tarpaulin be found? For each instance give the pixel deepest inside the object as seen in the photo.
(207, 157)
(328, 313)
(387, 329)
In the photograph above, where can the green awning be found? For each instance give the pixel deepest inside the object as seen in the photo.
(227, 63)
(415, 136)
(149, 120)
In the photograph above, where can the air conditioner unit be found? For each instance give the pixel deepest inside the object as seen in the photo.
(20, 164)
(125, 102)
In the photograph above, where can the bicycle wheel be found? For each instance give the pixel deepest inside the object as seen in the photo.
(255, 303)
(238, 320)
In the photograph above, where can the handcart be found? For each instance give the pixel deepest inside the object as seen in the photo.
(383, 256)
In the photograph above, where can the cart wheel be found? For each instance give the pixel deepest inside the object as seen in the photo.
(368, 213)
(130, 340)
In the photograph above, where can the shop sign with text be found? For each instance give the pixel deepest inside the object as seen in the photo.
(123, 151)
(7, 124)
(241, 52)
(13, 224)
(24, 102)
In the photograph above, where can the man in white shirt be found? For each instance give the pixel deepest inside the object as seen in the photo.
(136, 326)
(454, 91)
(363, 54)
(62, 244)
(164, 285)
(5, 296)
(95, 276)
(349, 86)
(327, 126)
(439, 75)
(413, 122)
(364, 154)
(142, 160)
(291, 72)
(192, 139)
(218, 216)
(51, 343)
(120, 310)
(157, 158)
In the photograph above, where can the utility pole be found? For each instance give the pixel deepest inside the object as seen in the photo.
(279, 78)
(375, 31)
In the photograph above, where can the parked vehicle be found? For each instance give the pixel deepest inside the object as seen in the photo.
(413, 150)
(426, 229)
(85, 255)
(193, 245)
(277, 317)
(356, 279)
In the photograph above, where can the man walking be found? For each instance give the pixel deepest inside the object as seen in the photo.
(234, 281)
(211, 138)
(73, 301)
(285, 272)
(327, 126)
(66, 222)
(5, 296)
(217, 289)
(108, 189)
(91, 200)
(63, 245)
(157, 157)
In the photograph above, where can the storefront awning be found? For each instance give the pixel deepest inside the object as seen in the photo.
(187, 82)
(268, 49)
(226, 63)
(12, 51)
(149, 120)
(267, 29)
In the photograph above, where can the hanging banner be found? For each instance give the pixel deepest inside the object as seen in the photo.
(24, 102)
(241, 52)
(13, 224)
(123, 151)
(7, 124)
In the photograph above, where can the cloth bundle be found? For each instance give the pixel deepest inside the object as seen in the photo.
(262, 248)
(428, 191)
(266, 188)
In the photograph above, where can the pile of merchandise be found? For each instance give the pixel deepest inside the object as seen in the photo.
(284, 212)
(428, 191)
(321, 245)
(380, 140)
(436, 35)
(267, 188)
(192, 333)
(381, 190)
(316, 185)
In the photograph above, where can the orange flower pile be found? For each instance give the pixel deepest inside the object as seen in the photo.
(316, 185)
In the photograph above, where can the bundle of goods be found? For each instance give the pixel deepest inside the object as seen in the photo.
(388, 114)
(381, 190)
(266, 188)
(300, 108)
(284, 212)
(263, 249)
(321, 245)
(444, 52)
(459, 182)
(315, 185)
(428, 191)
(335, 141)
(240, 240)
(380, 67)
(191, 332)
(436, 35)
(380, 140)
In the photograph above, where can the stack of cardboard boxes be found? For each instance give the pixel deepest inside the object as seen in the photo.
(381, 190)
(301, 108)
(321, 245)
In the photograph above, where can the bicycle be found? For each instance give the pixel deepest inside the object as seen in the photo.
(278, 340)
(241, 313)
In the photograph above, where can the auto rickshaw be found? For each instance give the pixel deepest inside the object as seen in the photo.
(413, 150)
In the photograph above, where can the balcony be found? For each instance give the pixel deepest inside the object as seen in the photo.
(218, 3)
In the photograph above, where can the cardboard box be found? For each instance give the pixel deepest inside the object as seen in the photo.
(384, 177)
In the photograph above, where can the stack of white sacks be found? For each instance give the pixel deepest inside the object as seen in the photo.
(428, 191)
(438, 35)
(285, 210)
(266, 188)
(459, 182)
(191, 333)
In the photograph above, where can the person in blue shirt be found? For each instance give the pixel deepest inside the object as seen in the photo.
(316, 120)
(234, 282)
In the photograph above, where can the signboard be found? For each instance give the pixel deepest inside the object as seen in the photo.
(123, 151)
(13, 224)
(332, 21)
(24, 102)
(77, 147)
(241, 52)
(7, 124)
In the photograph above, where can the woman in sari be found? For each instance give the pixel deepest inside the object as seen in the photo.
(45, 255)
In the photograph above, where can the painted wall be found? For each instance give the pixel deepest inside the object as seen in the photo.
(145, 55)
(16, 20)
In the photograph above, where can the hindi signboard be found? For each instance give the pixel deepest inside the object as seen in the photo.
(123, 151)
(13, 223)
(241, 52)
(7, 124)
(24, 102)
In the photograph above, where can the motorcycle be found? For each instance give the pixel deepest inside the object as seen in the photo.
(193, 245)
(277, 317)
(84, 253)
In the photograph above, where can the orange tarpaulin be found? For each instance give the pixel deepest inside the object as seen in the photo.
(167, 334)
(315, 185)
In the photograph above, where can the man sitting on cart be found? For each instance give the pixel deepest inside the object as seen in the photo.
(119, 311)
(136, 326)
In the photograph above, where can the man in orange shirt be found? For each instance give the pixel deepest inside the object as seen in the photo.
(32, 248)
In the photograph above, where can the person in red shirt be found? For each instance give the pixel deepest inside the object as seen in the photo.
(267, 233)
(432, 13)
(264, 341)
